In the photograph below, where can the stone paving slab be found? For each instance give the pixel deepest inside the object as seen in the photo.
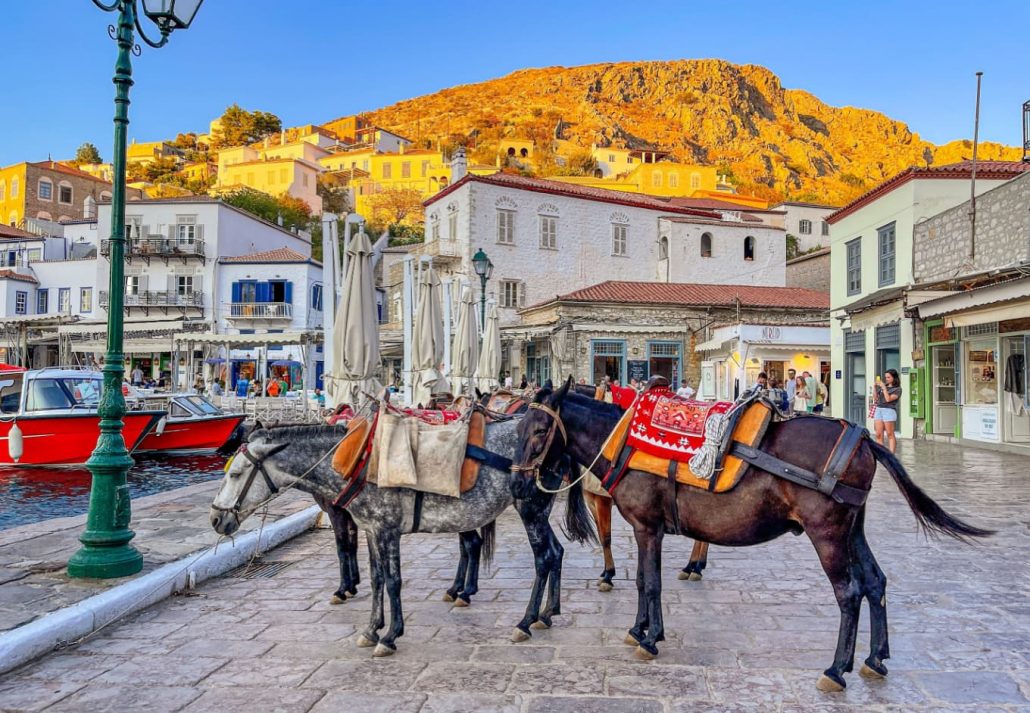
(168, 527)
(752, 636)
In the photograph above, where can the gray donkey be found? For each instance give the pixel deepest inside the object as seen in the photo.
(295, 457)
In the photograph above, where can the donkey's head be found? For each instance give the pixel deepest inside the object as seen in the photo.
(541, 436)
(252, 476)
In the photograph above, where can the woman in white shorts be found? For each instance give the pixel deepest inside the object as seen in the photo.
(885, 417)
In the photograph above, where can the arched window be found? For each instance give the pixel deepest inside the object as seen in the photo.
(43, 215)
(749, 248)
(45, 189)
(663, 248)
(706, 245)
(64, 193)
(511, 151)
(524, 153)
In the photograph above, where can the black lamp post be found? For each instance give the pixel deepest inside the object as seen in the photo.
(484, 268)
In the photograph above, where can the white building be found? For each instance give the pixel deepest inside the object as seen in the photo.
(806, 222)
(547, 238)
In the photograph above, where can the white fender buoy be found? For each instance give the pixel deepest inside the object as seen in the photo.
(15, 443)
(160, 429)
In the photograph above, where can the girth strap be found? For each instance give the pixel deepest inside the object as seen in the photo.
(354, 486)
(489, 458)
(840, 457)
(416, 515)
(615, 473)
(673, 487)
(840, 492)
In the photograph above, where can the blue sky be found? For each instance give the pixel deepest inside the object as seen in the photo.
(313, 61)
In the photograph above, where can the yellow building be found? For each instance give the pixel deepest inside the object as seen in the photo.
(50, 190)
(290, 168)
(152, 151)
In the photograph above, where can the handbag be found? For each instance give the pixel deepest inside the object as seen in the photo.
(872, 403)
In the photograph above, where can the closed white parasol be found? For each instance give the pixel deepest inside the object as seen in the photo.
(356, 331)
(489, 367)
(465, 353)
(427, 339)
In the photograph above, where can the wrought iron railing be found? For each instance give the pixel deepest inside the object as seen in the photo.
(158, 247)
(158, 299)
(260, 310)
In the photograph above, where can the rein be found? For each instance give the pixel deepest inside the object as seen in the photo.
(534, 466)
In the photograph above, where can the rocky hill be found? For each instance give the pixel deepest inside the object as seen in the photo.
(776, 142)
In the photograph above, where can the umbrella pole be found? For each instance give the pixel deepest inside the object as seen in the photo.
(447, 327)
(407, 312)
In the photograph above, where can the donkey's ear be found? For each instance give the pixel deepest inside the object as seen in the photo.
(266, 449)
(560, 394)
(479, 394)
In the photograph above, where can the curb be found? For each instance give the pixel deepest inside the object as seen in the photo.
(83, 618)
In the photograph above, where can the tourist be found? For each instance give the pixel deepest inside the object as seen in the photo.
(820, 397)
(273, 387)
(812, 387)
(685, 391)
(216, 389)
(885, 417)
(137, 376)
(778, 395)
(763, 382)
(634, 384)
(508, 381)
(791, 387)
(524, 383)
(799, 404)
(319, 397)
(284, 387)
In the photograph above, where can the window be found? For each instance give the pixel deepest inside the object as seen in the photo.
(3, 190)
(86, 299)
(887, 246)
(452, 226)
(64, 300)
(611, 158)
(663, 248)
(749, 248)
(435, 230)
(674, 180)
(21, 302)
(826, 228)
(406, 169)
(506, 227)
(664, 360)
(14, 187)
(316, 297)
(42, 301)
(35, 254)
(805, 227)
(656, 179)
(549, 232)
(46, 189)
(64, 193)
(706, 245)
(512, 294)
(608, 360)
(854, 266)
(387, 170)
(695, 180)
(981, 372)
(619, 232)
(132, 284)
(425, 169)
(184, 285)
(186, 228)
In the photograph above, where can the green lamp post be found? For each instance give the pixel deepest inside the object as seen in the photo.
(106, 551)
(484, 268)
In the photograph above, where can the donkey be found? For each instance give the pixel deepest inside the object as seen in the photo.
(760, 508)
(296, 458)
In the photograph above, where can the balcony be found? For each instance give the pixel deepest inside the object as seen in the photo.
(442, 249)
(260, 310)
(145, 301)
(159, 247)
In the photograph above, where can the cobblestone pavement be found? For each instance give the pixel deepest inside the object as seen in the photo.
(753, 636)
(168, 527)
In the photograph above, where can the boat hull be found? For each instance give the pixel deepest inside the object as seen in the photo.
(69, 439)
(192, 435)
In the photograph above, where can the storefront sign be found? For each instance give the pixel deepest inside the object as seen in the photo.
(989, 424)
(771, 333)
(942, 334)
(637, 370)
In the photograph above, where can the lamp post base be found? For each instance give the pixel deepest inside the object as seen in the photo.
(105, 562)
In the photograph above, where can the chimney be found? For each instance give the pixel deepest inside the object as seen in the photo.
(459, 165)
(400, 148)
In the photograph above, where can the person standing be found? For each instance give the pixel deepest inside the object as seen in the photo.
(812, 387)
(508, 381)
(800, 400)
(885, 417)
(791, 389)
(685, 391)
(137, 376)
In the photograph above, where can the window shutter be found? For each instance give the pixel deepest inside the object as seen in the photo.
(236, 292)
(199, 232)
(198, 284)
(172, 285)
(143, 231)
(521, 287)
(144, 281)
(289, 292)
(171, 232)
(262, 292)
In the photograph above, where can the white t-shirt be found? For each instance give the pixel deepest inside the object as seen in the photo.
(507, 382)
(685, 392)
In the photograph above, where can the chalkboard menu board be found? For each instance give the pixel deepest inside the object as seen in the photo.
(637, 369)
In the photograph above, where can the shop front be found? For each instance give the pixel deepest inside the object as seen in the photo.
(736, 354)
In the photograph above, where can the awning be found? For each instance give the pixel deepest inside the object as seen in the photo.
(630, 328)
(814, 348)
(712, 344)
(1018, 310)
(982, 297)
(129, 346)
(885, 314)
(168, 326)
(36, 320)
(251, 340)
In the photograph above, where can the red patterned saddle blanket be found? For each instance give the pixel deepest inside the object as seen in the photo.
(666, 426)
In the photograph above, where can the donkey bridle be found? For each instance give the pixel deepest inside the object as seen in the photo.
(259, 467)
(537, 463)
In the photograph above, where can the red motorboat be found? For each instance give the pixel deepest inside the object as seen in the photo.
(48, 417)
(193, 425)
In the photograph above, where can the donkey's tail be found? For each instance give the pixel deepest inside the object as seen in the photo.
(579, 526)
(488, 532)
(931, 516)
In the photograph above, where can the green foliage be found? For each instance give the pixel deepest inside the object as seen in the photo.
(581, 163)
(852, 180)
(157, 171)
(404, 234)
(295, 212)
(240, 127)
(335, 198)
(88, 153)
(793, 246)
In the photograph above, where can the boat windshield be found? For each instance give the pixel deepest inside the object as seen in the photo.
(53, 394)
(201, 405)
(10, 394)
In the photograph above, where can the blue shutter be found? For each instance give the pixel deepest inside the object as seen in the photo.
(236, 292)
(263, 292)
(289, 292)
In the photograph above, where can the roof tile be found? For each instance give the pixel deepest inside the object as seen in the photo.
(691, 294)
(283, 254)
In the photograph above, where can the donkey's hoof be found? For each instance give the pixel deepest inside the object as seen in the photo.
(461, 602)
(518, 635)
(337, 599)
(684, 575)
(540, 624)
(872, 670)
(448, 597)
(365, 643)
(828, 685)
(383, 650)
(631, 640)
(694, 577)
(605, 586)
(647, 652)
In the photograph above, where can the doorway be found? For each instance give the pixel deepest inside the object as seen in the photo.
(1014, 395)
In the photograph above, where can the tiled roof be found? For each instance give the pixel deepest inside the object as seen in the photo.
(809, 255)
(8, 231)
(690, 294)
(804, 204)
(986, 170)
(716, 204)
(283, 254)
(12, 275)
(64, 168)
(542, 185)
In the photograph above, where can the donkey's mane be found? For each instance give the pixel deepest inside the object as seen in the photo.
(297, 430)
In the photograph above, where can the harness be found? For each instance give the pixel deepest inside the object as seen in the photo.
(259, 467)
(556, 426)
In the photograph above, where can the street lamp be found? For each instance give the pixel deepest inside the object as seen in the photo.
(484, 268)
(106, 551)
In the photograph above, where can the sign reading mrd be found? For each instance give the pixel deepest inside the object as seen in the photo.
(771, 333)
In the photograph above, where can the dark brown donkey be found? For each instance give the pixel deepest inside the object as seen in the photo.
(761, 508)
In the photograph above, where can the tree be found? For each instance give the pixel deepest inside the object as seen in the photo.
(294, 212)
(395, 205)
(240, 127)
(335, 197)
(87, 153)
(793, 246)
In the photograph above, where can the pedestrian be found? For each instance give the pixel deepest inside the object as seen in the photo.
(778, 395)
(524, 384)
(885, 417)
(216, 388)
(273, 387)
(820, 397)
(685, 391)
(812, 387)
(791, 387)
(799, 404)
(508, 381)
(634, 384)
(137, 376)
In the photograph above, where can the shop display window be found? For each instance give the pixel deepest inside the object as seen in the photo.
(981, 372)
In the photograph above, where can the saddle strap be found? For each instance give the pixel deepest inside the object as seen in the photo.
(840, 457)
(673, 487)
(416, 515)
(618, 469)
(354, 486)
(840, 492)
(489, 458)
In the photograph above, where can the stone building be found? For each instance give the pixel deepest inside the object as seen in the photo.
(629, 330)
(51, 191)
(806, 222)
(811, 270)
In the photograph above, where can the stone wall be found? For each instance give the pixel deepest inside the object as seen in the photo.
(941, 243)
(810, 271)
